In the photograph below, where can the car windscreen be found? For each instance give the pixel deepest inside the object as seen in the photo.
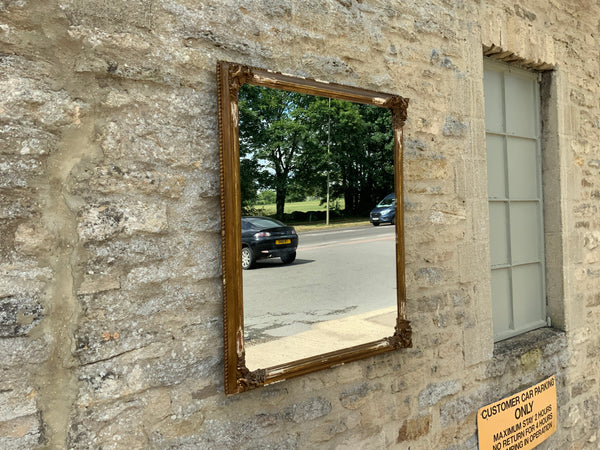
(260, 223)
(386, 202)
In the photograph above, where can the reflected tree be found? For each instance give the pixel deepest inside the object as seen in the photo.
(273, 131)
(290, 142)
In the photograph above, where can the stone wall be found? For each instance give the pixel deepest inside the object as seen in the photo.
(110, 291)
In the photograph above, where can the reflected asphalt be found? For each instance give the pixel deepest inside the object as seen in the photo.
(337, 273)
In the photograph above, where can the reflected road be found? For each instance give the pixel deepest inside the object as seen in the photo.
(337, 273)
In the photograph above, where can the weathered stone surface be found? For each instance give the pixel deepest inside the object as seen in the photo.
(21, 432)
(33, 240)
(460, 408)
(433, 393)
(13, 404)
(308, 410)
(356, 396)
(110, 292)
(15, 208)
(454, 127)
(99, 222)
(31, 98)
(414, 428)
(92, 284)
(116, 179)
(163, 140)
(430, 275)
(19, 314)
(15, 171)
(22, 351)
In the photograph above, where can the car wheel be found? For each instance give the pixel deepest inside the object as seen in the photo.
(289, 258)
(375, 224)
(248, 259)
(393, 221)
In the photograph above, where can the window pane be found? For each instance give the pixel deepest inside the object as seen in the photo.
(494, 111)
(499, 233)
(522, 166)
(496, 166)
(527, 289)
(520, 106)
(501, 300)
(525, 232)
(515, 199)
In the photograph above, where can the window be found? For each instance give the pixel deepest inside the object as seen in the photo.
(513, 128)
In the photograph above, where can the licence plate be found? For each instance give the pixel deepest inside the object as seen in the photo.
(283, 241)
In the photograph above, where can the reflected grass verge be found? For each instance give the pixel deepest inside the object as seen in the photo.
(303, 206)
(312, 206)
(341, 223)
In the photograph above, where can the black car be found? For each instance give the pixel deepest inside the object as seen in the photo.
(263, 237)
(385, 211)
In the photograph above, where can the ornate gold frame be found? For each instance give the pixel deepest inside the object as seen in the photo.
(230, 77)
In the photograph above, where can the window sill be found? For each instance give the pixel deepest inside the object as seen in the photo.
(537, 339)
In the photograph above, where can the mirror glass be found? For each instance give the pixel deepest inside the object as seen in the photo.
(318, 276)
(311, 224)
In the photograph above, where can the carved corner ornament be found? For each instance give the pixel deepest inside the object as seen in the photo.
(239, 75)
(399, 106)
(402, 337)
(247, 379)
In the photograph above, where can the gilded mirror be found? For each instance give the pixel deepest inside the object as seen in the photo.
(314, 297)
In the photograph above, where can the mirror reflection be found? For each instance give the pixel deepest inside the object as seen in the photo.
(318, 213)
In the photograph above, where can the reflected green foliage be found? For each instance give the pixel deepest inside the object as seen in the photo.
(291, 142)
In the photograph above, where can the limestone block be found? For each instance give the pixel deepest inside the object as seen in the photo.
(138, 248)
(31, 100)
(98, 283)
(33, 239)
(17, 206)
(381, 366)
(200, 298)
(20, 351)
(190, 269)
(478, 344)
(26, 139)
(156, 137)
(430, 275)
(413, 429)
(454, 127)
(356, 396)
(20, 313)
(101, 221)
(193, 217)
(109, 15)
(459, 409)
(431, 168)
(90, 429)
(307, 410)
(15, 172)
(17, 399)
(131, 356)
(21, 432)
(572, 416)
(473, 259)
(115, 179)
(434, 392)
(447, 214)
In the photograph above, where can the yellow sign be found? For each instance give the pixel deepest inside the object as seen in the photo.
(521, 421)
